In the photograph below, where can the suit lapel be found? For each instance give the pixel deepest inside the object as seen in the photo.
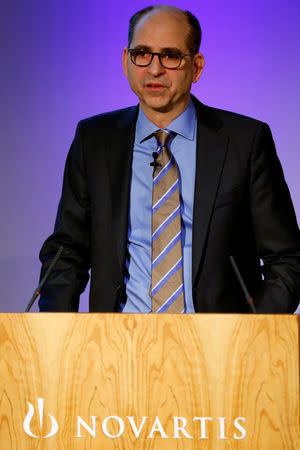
(210, 157)
(119, 160)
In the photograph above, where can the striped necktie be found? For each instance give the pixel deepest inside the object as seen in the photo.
(166, 271)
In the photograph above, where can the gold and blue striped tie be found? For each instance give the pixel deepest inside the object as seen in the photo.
(166, 273)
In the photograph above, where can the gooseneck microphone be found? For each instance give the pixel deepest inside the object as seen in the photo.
(243, 285)
(38, 289)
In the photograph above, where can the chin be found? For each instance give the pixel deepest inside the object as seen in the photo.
(159, 105)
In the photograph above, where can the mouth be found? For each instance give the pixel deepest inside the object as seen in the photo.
(155, 86)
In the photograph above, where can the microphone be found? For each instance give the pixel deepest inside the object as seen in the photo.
(243, 285)
(154, 163)
(38, 289)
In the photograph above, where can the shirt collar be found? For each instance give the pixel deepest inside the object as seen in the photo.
(184, 124)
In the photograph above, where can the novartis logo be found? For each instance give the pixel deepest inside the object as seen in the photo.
(180, 426)
(28, 418)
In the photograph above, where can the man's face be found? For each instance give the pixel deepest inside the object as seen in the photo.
(162, 90)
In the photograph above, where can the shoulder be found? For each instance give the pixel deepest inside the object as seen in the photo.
(230, 122)
(112, 120)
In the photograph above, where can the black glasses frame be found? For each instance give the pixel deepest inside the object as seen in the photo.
(182, 55)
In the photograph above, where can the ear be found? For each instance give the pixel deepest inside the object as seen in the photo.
(198, 65)
(125, 61)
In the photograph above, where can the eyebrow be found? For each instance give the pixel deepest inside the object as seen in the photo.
(165, 49)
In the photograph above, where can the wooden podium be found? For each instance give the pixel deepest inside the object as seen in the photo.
(121, 381)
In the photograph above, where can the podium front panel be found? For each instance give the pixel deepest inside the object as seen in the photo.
(146, 381)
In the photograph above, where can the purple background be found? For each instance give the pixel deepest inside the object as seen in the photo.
(61, 61)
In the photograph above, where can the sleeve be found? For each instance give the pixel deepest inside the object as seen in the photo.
(276, 230)
(72, 231)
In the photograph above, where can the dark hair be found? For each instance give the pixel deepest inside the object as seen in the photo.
(194, 36)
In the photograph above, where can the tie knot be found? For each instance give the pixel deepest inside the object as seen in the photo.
(163, 137)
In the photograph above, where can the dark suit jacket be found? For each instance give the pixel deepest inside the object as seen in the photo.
(242, 207)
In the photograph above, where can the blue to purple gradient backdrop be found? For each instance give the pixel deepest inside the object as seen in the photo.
(61, 61)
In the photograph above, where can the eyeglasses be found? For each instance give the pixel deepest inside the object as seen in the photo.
(167, 59)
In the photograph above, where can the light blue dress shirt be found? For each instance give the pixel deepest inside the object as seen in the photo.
(138, 261)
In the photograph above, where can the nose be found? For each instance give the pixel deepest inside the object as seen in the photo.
(155, 68)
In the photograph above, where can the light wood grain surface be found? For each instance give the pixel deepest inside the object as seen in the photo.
(165, 366)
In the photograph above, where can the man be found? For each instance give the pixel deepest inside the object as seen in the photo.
(232, 194)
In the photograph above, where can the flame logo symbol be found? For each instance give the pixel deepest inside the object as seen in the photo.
(27, 420)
